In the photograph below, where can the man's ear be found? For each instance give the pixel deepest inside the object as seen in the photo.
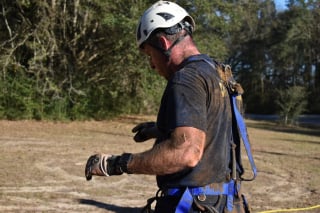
(164, 42)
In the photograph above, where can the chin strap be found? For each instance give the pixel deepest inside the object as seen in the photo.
(173, 30)
(168, 51)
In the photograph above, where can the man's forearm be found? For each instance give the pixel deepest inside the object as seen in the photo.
(160, 160)
(183, 150)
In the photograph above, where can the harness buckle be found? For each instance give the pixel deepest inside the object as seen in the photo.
(202, 197)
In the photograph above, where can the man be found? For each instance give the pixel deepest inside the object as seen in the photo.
(193, 128)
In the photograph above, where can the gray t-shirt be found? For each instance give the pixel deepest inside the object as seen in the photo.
(195, 97)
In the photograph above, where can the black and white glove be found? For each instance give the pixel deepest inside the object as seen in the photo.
(145, 131)
(107, 165)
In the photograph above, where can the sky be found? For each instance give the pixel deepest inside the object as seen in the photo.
(280, 4)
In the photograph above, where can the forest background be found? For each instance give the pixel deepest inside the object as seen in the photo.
(78, 59)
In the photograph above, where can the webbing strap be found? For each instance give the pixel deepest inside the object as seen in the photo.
(242, 129)
(186, 200)
(243, 132)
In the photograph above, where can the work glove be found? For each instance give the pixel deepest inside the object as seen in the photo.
(107, 165)
(145, 131)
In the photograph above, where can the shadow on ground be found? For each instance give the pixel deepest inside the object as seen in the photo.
(110, 207)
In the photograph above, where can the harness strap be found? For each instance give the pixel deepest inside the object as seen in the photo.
(241, 125)
(244, 135)
(229, 189)
(185, 202)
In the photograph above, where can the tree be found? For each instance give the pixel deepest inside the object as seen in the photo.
(291, 102)
(79, 57)
(295, 50)
(250, 53)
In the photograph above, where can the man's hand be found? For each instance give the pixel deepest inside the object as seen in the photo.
(96, 165)
(107, 165)
(145, 131)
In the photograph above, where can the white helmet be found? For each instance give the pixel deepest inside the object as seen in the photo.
(162, 14)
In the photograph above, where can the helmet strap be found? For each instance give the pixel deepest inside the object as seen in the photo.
(168, 51)
(171, 31)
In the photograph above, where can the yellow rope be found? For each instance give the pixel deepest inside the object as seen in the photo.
(292, 210)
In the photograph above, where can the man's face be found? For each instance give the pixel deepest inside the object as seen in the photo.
(157, 60)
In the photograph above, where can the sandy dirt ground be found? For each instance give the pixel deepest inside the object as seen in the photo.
(42, 167)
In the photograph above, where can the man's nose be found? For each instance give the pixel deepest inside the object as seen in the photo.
(151, 64)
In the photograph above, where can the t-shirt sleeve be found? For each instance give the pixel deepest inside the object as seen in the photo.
(187, 101)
